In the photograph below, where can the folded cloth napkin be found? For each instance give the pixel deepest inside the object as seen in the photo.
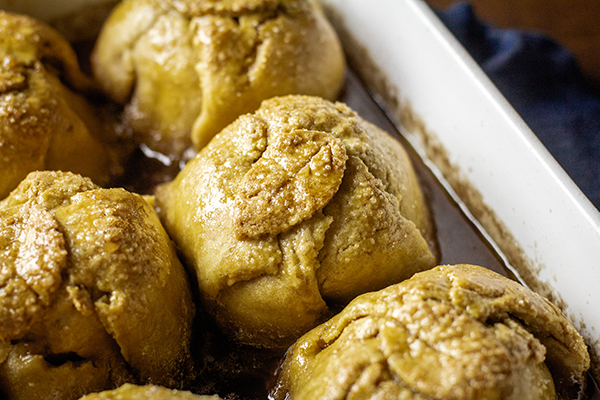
(544, 84)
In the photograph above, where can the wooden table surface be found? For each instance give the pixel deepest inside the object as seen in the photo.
(574, 24)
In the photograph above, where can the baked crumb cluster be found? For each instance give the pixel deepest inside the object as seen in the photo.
(295, 235)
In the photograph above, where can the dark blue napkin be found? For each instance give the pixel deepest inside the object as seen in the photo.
(544, 84)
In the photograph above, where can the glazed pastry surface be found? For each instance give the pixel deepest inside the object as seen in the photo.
(92, 294)
(454, 332)
(45, 120)
(298, 206)
(184, 70)
(148, 392)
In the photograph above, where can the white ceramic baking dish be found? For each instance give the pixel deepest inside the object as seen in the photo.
(481, 150)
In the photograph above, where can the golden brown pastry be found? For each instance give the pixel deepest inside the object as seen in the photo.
(298, 206)
(454, 332)
(45, 122)
(147, 392)
(191, 67)
(92, 294)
